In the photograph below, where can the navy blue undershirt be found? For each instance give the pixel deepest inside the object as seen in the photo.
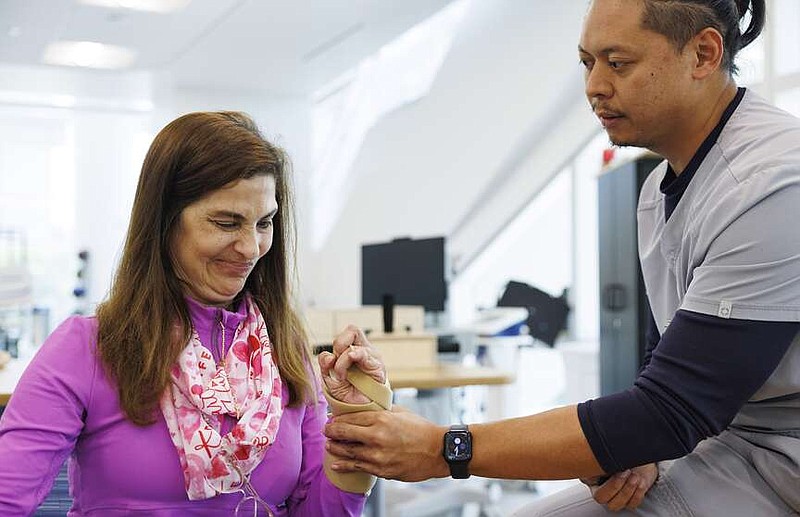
(694, 378)
(672, 185)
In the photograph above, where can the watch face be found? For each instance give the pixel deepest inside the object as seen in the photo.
(458, 446)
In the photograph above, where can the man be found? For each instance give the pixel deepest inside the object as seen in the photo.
(712, 424)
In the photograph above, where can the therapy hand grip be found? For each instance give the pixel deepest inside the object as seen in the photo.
(380, 396)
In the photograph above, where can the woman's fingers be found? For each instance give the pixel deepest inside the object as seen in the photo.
(351, 347)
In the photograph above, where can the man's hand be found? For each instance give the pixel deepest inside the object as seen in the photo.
(394, 444)
(350, 347)
(624, 490)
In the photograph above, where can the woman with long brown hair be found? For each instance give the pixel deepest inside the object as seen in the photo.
(192, 391)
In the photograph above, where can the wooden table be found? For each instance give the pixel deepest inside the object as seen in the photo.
(449, 376)
(443, 376)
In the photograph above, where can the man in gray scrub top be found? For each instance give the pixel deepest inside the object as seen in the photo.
(711, 426)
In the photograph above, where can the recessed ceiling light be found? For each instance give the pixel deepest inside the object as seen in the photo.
(153, 6)
(88, 54)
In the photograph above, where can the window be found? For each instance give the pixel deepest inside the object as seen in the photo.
(789, 100)
(786, 18)
(37, 210)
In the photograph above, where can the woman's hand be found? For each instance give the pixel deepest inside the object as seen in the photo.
(350, 347)
(624, 490)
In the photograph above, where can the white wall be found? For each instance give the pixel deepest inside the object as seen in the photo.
(504, 115)
(536, 248)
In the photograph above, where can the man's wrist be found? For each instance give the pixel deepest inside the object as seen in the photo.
(441, 468)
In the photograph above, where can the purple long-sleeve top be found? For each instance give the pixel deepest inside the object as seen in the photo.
(66, 404)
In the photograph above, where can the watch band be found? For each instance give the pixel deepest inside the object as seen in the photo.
(459, 469)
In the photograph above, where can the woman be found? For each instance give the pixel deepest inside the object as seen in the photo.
(191, 392)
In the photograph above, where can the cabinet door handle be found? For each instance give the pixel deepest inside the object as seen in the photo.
(615, 297)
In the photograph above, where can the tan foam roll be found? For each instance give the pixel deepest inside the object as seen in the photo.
(380, 396)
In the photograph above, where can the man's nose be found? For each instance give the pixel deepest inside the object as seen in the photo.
(598, 85)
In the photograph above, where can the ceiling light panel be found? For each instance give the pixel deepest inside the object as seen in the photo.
(88, 54)
(153, 6)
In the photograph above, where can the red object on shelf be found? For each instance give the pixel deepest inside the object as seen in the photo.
(608, 156)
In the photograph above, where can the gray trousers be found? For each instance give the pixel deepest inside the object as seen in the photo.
(716, 480)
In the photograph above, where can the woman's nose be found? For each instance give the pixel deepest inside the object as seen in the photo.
(248, 244)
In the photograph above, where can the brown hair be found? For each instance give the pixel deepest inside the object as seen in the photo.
(681, 20)
(144, 324)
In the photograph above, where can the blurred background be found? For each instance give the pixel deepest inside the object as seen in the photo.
(462, 119)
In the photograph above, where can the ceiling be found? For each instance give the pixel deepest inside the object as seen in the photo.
(284, 47)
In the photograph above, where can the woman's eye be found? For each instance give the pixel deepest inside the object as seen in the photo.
(265, 224)
(226, 225)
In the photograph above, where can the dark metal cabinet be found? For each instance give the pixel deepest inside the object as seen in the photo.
(624, 311)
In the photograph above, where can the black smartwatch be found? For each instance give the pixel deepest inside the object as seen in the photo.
(458, 450)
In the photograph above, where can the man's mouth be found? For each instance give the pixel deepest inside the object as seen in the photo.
(608, 117)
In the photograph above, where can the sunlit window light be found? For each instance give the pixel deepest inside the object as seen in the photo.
(55, 100)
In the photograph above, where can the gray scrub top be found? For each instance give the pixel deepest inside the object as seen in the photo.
(731, 249)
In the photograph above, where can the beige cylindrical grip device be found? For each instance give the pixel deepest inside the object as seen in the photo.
(380, 396)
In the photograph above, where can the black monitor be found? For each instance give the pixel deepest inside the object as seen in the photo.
(409, 271)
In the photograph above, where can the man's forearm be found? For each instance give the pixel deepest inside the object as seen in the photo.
(549, 445)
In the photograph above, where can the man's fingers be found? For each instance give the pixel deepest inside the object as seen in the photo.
(638, 496)
(621, 499)
(360, 459)
(350, 465)
(345, 450)
(606, 492)
(351, 422)
(625, 489)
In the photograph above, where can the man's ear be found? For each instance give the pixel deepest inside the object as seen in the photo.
(708, 49)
